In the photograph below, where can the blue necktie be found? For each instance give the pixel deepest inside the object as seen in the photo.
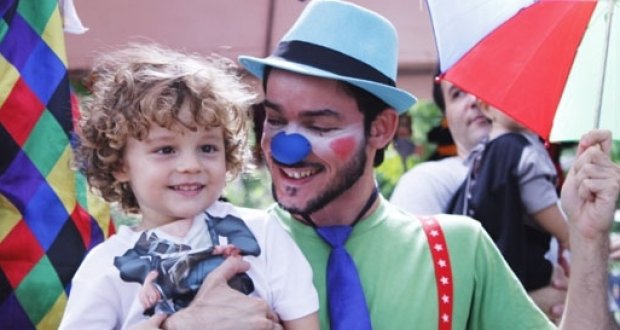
(345, 295)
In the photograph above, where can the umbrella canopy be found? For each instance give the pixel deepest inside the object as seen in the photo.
(552, 65)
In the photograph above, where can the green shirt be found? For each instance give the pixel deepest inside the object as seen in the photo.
(396, 270)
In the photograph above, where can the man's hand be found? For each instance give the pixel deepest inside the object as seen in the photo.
(217, 306)
(154, 323)
(589, 198)
(591, 188)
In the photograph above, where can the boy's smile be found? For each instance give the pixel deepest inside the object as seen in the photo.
(175, 174)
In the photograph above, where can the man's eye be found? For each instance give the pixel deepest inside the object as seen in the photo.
(456, 94)
(274, 122)
(321, 129)
(165, 150)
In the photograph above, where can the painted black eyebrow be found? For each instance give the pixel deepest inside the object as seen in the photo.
(321, 113)
(305, 113)
(271, 105)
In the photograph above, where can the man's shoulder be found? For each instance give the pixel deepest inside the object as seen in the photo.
(462, 233)
(458, 222)
(455, 227)
(455, 222)
(429, 186)
(435, 169)
(435, 165)
(448, 222)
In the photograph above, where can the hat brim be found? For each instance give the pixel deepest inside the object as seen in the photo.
(396, 98)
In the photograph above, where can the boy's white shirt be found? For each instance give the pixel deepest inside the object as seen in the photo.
(281, 274)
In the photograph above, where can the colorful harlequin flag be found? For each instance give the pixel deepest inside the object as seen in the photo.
(48, 218)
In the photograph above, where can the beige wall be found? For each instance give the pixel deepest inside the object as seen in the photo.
(233, 27)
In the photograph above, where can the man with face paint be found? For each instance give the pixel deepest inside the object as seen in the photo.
(331, 108)
(320, 146)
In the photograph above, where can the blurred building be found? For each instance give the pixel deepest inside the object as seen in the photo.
(233, 27)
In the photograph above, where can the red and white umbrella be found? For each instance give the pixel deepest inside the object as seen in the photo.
(552, 65)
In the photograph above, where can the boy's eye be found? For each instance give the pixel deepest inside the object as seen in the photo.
(208, 148)
(165, 150)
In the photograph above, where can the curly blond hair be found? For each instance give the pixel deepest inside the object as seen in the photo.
(144, 84)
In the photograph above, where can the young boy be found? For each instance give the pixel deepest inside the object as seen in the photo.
(511, 190)
(160, 135)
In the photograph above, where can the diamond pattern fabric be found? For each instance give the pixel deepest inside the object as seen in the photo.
(48, 218)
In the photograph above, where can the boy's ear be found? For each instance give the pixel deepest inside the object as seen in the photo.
(121, 175)
(487, 112)
(383, 128)
(485, 108)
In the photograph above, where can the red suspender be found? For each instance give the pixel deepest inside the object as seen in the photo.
(443, 271)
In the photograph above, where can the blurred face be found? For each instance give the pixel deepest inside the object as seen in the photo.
(321, 111)
(500, 122)
(404, 127)
(175, 174)
(466, 122)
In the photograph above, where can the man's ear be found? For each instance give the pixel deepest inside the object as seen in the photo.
(383, 128)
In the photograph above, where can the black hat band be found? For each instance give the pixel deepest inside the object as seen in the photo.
(330, 60)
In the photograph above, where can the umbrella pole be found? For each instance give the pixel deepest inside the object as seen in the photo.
(597, 117)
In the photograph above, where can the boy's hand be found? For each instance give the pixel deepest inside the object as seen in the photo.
(149, 295)
(226, 250)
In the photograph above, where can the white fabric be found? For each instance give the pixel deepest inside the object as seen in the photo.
(580, 100)
(99, 299)
(428, 187)
(71, 21)
(459, 25)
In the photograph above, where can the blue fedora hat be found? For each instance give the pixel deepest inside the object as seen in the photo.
(339, 40)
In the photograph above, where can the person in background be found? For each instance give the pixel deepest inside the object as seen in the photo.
(428, 187)
(403, 139)
(161, 134)
(441, 136)
(511, 189)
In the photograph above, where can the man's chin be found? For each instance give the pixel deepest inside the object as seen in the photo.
(291, 207)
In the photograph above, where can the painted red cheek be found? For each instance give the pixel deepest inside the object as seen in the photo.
(343, 147)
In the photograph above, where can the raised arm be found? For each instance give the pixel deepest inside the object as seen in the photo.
(552, 220)
(589, 198)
